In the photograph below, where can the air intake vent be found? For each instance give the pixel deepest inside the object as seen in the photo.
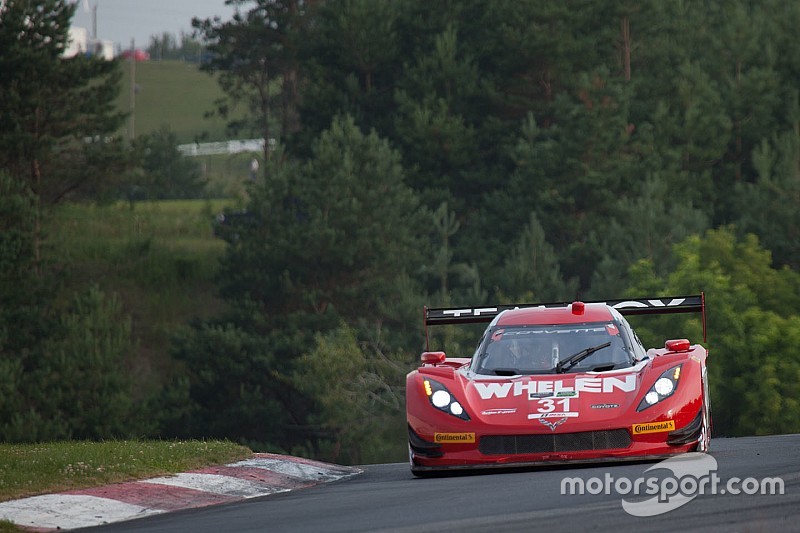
(556, 442)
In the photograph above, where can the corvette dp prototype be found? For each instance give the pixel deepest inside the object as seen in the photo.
(554, 383)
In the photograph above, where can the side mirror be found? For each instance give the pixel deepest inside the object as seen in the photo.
(433, 358)
(678, 345)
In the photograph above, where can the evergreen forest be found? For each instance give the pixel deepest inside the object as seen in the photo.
(425, 153)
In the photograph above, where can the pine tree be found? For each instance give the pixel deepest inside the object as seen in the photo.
(256, 56)
(332, 240)
(531, 272)
(50, 102)
(20, 323)
(57, 119)
(58, 114)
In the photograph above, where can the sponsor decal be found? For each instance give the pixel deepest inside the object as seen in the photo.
(654, 427)
(553, 408)
(469, 312)
(535, 389)
(487, 390)
(553, 424)
(605, 405)
(568, 414)
(559, 394)
(648, 303)
(499, 411)
(454, 437)
(561, 331)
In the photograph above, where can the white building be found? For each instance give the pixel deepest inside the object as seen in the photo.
(80, 43)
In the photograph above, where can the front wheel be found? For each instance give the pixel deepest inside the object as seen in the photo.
(416, 473)
(704, 443)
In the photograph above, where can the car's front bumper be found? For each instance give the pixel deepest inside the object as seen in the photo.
(491, 451)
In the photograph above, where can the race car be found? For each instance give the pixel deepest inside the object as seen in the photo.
(558, 383)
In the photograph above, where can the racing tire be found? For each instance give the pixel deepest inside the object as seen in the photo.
(704, 443)
(415, 472)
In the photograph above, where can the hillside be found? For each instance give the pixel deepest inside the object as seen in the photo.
(160, 258)
(178, 94)
(174, 93)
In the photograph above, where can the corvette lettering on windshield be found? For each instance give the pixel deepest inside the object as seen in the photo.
(536, 389)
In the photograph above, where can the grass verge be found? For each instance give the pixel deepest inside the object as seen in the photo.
(31, 469)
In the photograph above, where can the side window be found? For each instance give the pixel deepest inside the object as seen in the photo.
(638, 346)
(639, 352)
(479, 347)
(474, 364)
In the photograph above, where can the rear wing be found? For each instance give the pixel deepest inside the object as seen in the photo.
(631, 306)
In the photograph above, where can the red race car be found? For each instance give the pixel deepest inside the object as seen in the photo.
(558, 382)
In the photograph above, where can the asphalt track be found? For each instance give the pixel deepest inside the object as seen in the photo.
(387, 498)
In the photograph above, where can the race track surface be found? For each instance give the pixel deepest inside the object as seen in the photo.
(387, 498)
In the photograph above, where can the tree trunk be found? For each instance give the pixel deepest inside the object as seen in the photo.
(626, 48)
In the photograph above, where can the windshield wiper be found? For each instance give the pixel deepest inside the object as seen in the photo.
(574, 359)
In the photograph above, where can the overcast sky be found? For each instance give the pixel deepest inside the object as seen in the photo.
(123, 20)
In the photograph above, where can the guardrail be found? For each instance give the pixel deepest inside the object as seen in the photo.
(224, 147)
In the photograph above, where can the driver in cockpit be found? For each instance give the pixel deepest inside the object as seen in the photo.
(511, 352)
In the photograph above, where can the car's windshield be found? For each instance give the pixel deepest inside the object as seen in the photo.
(518, 350)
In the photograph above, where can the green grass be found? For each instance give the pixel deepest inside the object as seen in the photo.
(175, 224)
(174, 93)
(227, 174)
(178, 94)
(31, 469)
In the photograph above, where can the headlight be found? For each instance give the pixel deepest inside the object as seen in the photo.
(442, 400)
(663, 388)
(651, 397)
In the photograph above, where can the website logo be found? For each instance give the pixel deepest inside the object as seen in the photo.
(670, 484)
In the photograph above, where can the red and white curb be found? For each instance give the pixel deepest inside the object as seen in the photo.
(261, 475)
